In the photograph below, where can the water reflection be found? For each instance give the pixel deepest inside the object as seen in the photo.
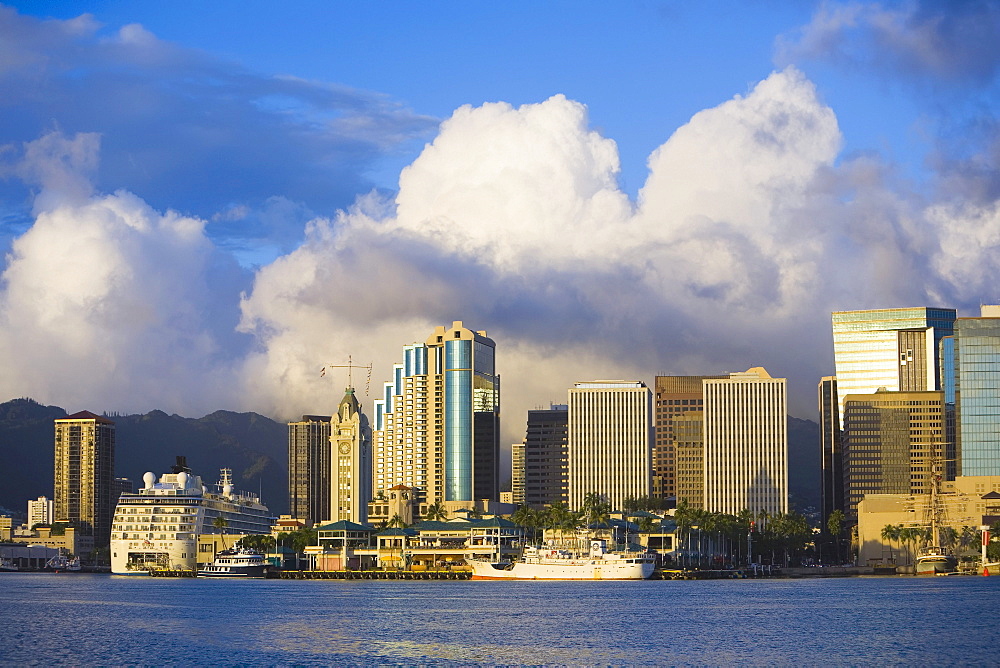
(94, 620)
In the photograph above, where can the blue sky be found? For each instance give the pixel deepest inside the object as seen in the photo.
(226, 196)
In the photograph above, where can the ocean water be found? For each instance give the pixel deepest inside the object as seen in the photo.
(81, 619)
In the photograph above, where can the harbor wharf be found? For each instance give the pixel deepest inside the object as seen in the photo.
(167, 573)
(376, 575)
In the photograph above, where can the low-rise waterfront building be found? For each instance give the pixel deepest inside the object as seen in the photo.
(964, 505)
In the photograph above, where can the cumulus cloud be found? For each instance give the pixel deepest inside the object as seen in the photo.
(749, 230)
(108, 304)
(512, 221)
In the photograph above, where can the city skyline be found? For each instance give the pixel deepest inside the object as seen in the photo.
(215, 211)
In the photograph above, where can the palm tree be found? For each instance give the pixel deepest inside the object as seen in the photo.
(890, 533)
(221, 523)
(595, 509)
(436, 511)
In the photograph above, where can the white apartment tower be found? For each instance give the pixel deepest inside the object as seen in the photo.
(746, 443)
(609, 441)
(40, 511)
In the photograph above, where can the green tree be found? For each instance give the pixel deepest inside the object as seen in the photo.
(221, 523)
(436, 511)
(595, 509)
(890, 534)
(835, 527)
(260, 542)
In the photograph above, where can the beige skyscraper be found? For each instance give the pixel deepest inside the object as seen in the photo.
(84, 473)
(746, 443)
(689, 440)
(673, 396)
(437, 425)
(350, 458)
(609, 441)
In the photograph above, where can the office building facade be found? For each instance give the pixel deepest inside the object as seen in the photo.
(673, 396)
(746, 443)
(309, 469)
(896, 349)
(609, 440)
(437, 424)
(892, 443)
(977, 393)
(84, 474)
(689, 441)
(830, 448)
(546, 463)
(516, 474)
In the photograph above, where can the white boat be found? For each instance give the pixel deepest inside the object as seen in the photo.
(236, 563)
(540, 563)
(158, 527)
(63, 564)
(935, 560)
(7, 564)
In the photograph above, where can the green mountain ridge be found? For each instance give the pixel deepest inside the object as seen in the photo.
(252, 445)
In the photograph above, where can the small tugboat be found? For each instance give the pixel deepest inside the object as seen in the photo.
(236, 563)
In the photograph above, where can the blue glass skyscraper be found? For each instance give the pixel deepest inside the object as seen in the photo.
(977, 393)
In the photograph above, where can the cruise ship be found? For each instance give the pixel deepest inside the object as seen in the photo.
(158, 527)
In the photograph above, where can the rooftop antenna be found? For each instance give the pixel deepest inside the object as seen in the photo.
(350, 366)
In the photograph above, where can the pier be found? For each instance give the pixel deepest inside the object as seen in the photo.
(376, 575)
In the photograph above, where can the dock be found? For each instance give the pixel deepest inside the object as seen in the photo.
(376, 575)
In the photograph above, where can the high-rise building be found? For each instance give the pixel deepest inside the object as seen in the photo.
(892, 441)
(516, 474)
(350, 458)
(609, 441)
(830, 449)
(40, 511)
(896, 349)
(546, 466)
(673, 396)
(437, 425)
(977, 393)
(84, 474)
(309, 469)
(689, 439)
(746, 443)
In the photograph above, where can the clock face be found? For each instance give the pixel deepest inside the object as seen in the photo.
(345, 447)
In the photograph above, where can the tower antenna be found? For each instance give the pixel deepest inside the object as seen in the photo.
(350, 366)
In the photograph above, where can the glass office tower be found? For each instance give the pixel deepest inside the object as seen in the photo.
(896, 349)
(977, 395)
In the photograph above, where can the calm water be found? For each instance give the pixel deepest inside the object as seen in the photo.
(81, 619)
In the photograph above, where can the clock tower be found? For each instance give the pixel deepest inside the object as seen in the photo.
(350, 462)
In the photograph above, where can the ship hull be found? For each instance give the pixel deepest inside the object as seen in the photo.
(589, 569)
(935, 565)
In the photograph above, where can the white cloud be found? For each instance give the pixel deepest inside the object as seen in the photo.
(109, 304)
(746, 235)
